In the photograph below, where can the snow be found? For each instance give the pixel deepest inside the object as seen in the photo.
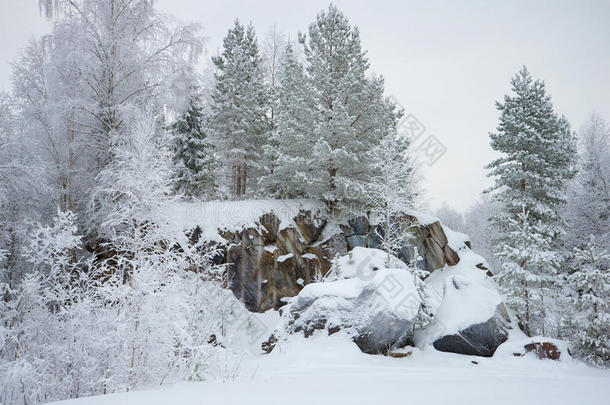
(214, 216)
(456, 240)
(285, 257)
(271, 248)
(331, 370)
(516, 345)
(462, 295)
(309, 256)
(422, 217)
(362, 262)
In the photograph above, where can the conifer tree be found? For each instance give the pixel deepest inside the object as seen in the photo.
(591, 282)
(291, 140)
(193, 153)
(537, 159)
(529, 265)
(239, 121)
(345, 116)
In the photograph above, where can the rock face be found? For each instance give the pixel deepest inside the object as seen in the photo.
(429, 239)
(481, 339)
(278, 251)
(267, 262)
(376, 314)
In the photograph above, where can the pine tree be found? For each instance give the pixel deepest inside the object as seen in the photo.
(239, 121)
(349, 116)
(193, 156)
(537, 159)
(291, 138)
(591, 282)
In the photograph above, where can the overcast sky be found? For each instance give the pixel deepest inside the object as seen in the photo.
(446, 62)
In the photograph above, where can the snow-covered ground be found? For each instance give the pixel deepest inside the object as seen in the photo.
(331, 370)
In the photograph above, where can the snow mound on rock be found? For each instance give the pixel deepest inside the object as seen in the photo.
(362, 262)
(215, 216)
(377, 308)
(462, 295)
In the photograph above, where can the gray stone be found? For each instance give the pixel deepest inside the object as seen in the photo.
(481, 339)
(356, 240)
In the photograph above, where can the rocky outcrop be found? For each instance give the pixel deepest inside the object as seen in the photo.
(273, 248)
(267, 262)
(429, 239)
(481, 339)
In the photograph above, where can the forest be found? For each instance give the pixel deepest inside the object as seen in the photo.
(111, 121)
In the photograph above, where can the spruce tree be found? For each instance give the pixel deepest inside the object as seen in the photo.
(239, 121)
(193, 153)
(537, 159)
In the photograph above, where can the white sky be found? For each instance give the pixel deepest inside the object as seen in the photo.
(446, 62)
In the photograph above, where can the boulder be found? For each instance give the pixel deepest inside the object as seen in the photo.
(480, 339)
(378, 313)
(543, 350)
(470, 317)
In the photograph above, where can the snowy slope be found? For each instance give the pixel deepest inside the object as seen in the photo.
(331, 370)
(326, 369)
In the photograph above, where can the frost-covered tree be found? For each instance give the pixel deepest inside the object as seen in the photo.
(537, 155)
(122, 52)
(528, 265)
(482, 236)
(391, 193)
(350, 115)
(450, 217)
(590, 332)
(55, 296)
(22, 188)
(290, 146)
(239, 121)
(193, 153)
(424, 312)
(588, 208)
(150, 277)
(75, 84)
(537, 150)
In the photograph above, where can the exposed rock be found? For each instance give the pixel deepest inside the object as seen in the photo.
(356, 241)
(437, 234)
(543, 350)
(269, 344)
(273, 229)
(480, 339)
(451, 256)
(399, 355)
(484, 268)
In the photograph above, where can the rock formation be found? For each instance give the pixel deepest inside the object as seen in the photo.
(277, 251)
